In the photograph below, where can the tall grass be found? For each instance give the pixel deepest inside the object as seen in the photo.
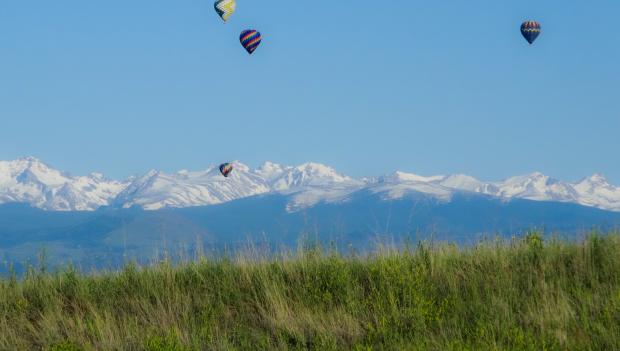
(527, 294)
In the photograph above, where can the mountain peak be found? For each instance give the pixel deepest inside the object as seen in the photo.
(26, 162)
(150, 174)
(28, 159)
(308, 174)
(314, 167)
(594, 182)
(399, 176)
(29, 180)
(269, 166)
(241, 166)
(597, 178)
(462, 182)
(270, 171)
(534, 177)
(97, 176)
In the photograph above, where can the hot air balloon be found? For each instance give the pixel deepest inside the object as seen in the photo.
(250, 39)
(530, 30)
(226, 168)
(225, 8)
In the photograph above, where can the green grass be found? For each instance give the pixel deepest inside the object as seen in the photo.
(525, 294)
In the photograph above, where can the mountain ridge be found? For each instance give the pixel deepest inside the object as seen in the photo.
(31, 181)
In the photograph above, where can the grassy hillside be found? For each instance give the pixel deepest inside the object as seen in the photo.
(526, 294)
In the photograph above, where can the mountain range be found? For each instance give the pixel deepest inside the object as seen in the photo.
(31, 181)
(94, 221)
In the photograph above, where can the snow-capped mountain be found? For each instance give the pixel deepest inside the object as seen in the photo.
(399, 184)
(28, 180)
(308, 175)
(308, 184)
(535, 186)
(31, 181)
(596, 191)
(593, 191)
(156, 190)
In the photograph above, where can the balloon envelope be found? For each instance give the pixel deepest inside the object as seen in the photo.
(226, 168)
(530, 30)
(225, 8)
(250, 39)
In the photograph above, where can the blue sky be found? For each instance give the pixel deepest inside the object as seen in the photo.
(368, 87)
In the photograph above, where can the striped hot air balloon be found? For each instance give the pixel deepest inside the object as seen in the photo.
(226, 168)
(530, 30)
(225, 8)
(250, 39)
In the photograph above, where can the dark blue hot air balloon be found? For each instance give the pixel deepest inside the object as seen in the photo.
(250, 39)
(530, 30)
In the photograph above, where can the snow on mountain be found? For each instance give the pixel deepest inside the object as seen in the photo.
(402, 177)
(467, 183)
(28, 180)
(440, 186)
(270, 171)
(305, 176)
(594, 191)
(31, 181)
(308, 184)
(156, 190)
(597, 192)
(312, 183)
(535, 186)
(399, 184)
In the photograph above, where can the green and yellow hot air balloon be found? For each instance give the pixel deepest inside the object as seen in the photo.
(225, 8)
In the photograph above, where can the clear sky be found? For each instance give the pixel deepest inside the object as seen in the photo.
(368, 87)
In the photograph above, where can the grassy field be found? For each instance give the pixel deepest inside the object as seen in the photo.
(526, 294)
